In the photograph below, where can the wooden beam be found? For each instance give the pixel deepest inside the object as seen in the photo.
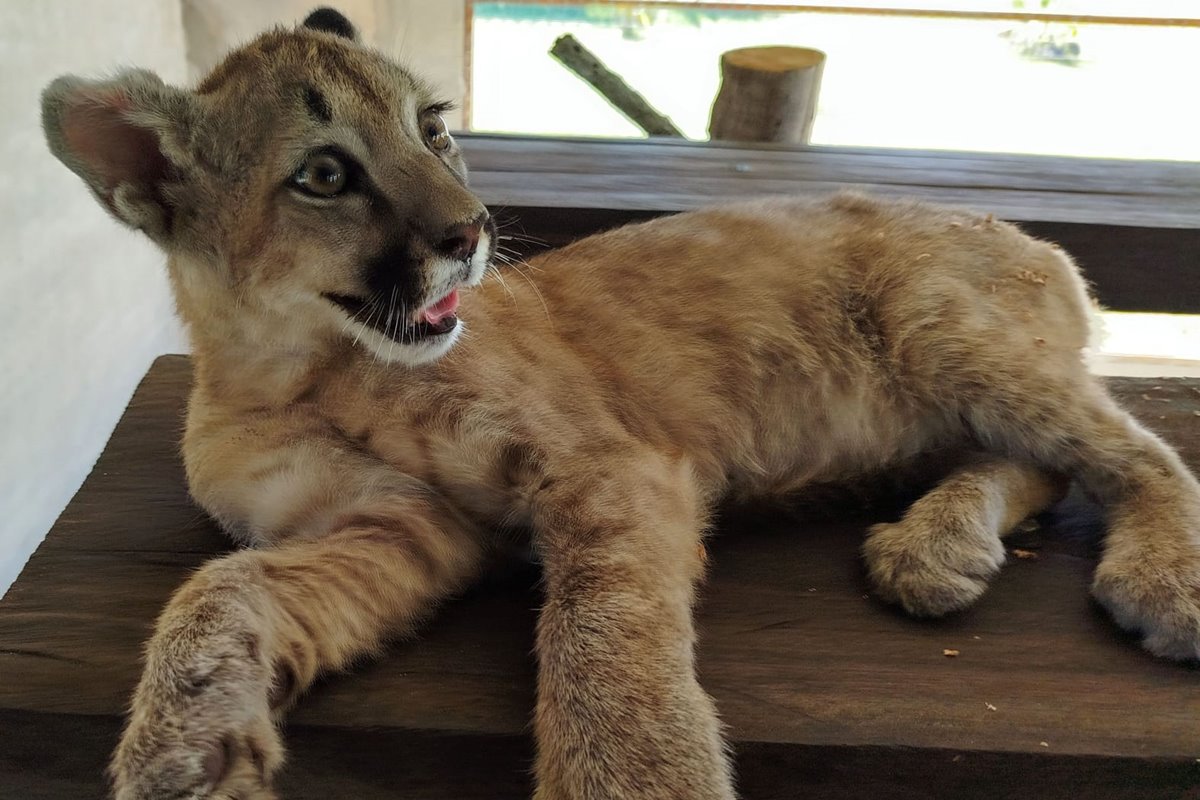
(887, 11)
(1133, 225)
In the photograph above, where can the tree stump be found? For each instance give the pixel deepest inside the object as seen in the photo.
(767, 94)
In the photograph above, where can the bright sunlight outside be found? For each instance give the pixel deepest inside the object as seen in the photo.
(1093, 90)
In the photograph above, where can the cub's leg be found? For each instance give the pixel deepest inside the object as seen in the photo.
(620, 713)
(939, 557)
(1149, 576)
(241, 639)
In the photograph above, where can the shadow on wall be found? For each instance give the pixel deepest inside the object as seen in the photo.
(428, 36)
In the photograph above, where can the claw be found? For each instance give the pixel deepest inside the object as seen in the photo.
(216, 763)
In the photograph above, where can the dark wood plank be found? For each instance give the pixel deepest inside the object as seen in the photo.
(47, 756)
(1133, 225)
(658, 192)
(822, 687)
(493, 153)
(1130, 268)
(433, 765)
(665, 175)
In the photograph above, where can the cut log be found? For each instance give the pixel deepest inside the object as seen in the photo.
(767, 94)
(577, 58)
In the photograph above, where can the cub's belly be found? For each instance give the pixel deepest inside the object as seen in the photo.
(828, 436)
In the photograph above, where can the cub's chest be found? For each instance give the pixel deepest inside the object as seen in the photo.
(468, 460)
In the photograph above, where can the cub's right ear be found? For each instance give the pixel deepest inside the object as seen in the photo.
(128, 138)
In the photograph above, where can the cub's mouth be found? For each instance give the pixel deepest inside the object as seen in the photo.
(436, 319)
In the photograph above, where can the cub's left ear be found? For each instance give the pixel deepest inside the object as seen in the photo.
(330, 20)
(128, 139)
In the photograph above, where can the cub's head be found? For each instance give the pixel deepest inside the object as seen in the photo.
(307, 191)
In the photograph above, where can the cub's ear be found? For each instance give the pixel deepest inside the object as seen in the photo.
(127, 138)
(330, 20)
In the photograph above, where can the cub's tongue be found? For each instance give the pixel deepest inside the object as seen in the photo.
(441, 309)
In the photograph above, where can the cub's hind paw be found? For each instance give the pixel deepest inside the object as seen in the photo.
(931, 572)
(1159, 602)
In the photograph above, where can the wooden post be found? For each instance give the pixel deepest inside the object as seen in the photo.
(767, 94)
(577, 58)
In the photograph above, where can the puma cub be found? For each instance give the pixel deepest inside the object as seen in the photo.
(375, 412)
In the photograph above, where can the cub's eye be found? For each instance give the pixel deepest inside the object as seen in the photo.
(433, 128)
(322, 175)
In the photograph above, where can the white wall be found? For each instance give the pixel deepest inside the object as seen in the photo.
(425, 35)
(84, 305)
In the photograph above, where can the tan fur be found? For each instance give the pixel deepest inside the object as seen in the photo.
(603, 399)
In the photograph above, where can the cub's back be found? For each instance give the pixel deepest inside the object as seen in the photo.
(841, 322)
(833, 279)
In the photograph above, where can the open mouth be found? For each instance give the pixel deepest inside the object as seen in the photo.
(439, 318)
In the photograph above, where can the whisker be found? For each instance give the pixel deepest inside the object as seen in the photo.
(503, 225)
(383, 319)
(536, 290)
(514, 237)
(350, 320)
(493, 270)
(510, 256)
(354, 317)
(372, 303)
(390, 320)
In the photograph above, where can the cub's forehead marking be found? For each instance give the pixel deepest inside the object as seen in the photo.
(318, 104)
(351, 69)
(337, 65)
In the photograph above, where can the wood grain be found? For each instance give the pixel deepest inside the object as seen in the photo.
(827, 693)
(1084, 190)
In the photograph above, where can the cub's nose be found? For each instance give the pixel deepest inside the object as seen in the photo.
(461, 241)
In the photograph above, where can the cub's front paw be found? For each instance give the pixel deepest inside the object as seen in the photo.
(932, 570)
(1156, 594)
(200, 726)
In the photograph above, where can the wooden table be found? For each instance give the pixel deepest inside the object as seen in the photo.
(827, 693)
